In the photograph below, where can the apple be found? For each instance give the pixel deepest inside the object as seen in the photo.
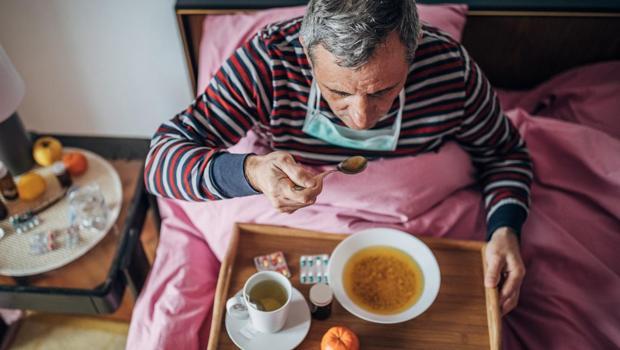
(46, 151)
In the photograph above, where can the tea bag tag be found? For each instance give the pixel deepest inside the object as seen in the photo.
(236, 306)
(249, 331)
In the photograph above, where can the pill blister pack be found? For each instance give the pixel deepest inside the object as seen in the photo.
(272, 262)
(50, 240)
(313, 268)
(24, 222)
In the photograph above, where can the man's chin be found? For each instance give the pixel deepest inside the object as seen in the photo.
(358, 128)
(362, 129)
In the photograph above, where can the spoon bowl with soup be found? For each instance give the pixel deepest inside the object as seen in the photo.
(350, 166)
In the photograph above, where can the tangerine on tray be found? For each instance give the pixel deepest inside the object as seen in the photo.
(75, 162)
(340, 338)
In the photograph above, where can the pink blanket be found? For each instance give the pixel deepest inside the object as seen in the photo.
(588, 95)
(569, 297)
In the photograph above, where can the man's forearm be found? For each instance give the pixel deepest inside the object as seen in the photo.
(176, 169)
(228, 177)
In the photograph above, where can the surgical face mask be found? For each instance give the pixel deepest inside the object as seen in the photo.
(320, 126)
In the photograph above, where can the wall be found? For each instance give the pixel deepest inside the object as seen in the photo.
(105, 68)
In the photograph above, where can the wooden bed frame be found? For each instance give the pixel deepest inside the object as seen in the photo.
(517, 43)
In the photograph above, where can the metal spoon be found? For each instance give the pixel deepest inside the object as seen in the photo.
(350, 166)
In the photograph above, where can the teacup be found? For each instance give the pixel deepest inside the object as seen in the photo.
(265, 298)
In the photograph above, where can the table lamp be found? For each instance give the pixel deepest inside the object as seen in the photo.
(15, 144)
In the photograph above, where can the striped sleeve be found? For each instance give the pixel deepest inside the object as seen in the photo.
(180, 159)
(498, 153)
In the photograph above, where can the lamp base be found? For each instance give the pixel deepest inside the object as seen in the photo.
(15, 146)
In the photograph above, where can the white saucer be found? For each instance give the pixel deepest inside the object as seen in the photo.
(295, 330)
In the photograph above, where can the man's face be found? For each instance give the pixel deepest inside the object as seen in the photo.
(360, 97)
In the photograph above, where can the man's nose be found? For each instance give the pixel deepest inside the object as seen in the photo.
(360, 113)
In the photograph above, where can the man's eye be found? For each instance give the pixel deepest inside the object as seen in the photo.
(379, 94)
(341, 93)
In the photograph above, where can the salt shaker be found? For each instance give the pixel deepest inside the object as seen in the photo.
(321, 301)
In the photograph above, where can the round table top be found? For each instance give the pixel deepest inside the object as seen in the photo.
(16, 258)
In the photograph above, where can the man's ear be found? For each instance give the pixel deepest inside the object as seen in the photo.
(306, 51)
(303, 46)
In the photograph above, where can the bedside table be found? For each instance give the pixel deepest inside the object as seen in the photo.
(95, 283)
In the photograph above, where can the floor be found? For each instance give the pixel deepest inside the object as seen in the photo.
(59, 332)
(39, 331)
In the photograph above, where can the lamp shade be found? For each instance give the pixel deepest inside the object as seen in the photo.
(12, 87)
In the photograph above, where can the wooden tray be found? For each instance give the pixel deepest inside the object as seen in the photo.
(465, 314)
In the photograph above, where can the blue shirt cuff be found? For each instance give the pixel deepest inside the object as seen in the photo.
(227, 175)
(507, 215)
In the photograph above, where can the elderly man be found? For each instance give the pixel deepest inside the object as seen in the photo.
(350, 78)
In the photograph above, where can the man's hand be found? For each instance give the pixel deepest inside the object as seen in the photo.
(504, 266)
(276, 174)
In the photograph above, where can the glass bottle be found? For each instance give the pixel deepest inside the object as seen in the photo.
(321, 301)
(61, 173)
(7, 185)
(4, 211)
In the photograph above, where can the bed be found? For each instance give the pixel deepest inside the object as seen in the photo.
(530, 41)
(556, 68)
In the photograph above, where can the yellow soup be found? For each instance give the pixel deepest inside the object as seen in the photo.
(383, 280)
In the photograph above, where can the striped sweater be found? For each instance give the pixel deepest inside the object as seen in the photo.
(264, 86)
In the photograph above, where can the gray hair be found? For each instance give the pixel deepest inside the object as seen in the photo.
(351, 30)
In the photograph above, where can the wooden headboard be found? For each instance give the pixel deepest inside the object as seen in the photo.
(517, 43)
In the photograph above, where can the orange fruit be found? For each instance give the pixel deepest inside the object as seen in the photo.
(75, 162)
(340, 338)
(30, 186)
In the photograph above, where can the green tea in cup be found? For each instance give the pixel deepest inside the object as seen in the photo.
(265, 299)
(268, 295)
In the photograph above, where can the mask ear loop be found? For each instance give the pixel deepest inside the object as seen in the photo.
(399, 116)
(317, 103)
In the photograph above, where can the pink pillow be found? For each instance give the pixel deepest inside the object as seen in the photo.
(223, 34)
